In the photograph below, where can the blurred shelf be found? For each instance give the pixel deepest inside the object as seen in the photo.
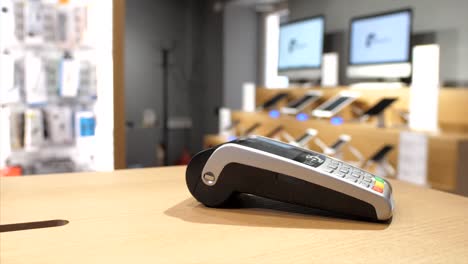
(48, 48)
(44, 150)
(55, 100)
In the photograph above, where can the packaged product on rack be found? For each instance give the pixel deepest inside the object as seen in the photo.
(50, 64)
(8, 93)
(34, 79)
(16, 128)
(64, 24)
(59, 124)
(33, 129)
(28, 21)
(87, 80)
(7, 27)
(69, 76)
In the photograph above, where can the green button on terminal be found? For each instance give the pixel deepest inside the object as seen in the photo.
(379, 179)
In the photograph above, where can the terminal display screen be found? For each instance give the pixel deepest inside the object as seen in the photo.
(284, 150)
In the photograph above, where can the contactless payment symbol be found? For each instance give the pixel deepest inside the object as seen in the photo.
(314, 159)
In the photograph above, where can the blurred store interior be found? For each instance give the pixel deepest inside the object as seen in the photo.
(104, 85)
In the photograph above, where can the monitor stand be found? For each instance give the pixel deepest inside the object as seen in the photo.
(303, 83)
(379, 84)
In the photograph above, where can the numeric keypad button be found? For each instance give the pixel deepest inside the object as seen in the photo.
(351, 178)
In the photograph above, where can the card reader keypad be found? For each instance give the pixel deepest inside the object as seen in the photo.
(355, 175)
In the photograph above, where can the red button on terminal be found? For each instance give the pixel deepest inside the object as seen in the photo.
(377, 189)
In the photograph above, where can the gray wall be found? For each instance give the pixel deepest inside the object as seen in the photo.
(206, 93)
(240, 51)
(193, 30)
(448, 18)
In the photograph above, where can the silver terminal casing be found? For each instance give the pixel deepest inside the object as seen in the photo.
(235, 153)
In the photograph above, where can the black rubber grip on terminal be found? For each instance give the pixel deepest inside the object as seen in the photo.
(240, 178)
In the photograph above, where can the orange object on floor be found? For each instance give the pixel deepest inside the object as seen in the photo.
(184, 158)
(11, 171)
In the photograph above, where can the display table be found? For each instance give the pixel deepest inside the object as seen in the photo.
(148, 216)
(446, 152)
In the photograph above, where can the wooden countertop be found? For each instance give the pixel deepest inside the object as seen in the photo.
(148, 216)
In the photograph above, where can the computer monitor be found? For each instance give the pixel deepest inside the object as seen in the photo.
(380, 45)
(301, 48)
